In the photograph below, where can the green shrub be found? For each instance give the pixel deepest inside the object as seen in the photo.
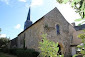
(27, 53)
(5, 50)
(0, 50)
(12, 51)
(21, 52)
(49, 48)
(82, 47)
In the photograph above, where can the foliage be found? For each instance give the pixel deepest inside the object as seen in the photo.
(82, 47)
(82, 36)
(49, 48)
(77, 20)
(6, 55)
(12, 51)
(0, 29)
(21, 52)
(27, 53)
(79, 5)
(4, 50)
(3, 42)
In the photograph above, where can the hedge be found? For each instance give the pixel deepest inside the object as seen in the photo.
(27, 53)
(21, 52)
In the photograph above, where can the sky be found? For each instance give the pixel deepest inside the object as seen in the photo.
(13, 14)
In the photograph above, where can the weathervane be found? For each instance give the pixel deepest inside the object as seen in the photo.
(30, 3)
(28, 17)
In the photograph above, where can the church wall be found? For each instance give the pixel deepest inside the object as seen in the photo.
(71, 33)
(20, 41)
(51, 20)
(13, 43)
(48, 25)
(77, 40)
(33, 35)
(74, 33)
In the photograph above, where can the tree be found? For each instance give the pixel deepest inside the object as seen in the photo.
(79, 5)
(0, 29)
(49, 48)
(3, 42)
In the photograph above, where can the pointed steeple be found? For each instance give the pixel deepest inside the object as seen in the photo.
(28, 17)
(28, 22)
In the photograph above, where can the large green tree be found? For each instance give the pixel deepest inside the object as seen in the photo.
(79, 5)
(3, 42)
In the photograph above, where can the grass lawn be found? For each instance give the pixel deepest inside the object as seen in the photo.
(6, 55)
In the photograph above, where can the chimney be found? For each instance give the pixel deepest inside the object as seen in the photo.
(73, 24)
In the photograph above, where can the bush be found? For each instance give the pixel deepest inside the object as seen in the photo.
(27, 53)
(21, 52)
(12, 51)
(5, 50)
(0, 50)
(49, 48)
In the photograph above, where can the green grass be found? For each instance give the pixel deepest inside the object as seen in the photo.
(6, 55)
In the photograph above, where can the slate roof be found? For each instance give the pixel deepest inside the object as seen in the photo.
(81, 27)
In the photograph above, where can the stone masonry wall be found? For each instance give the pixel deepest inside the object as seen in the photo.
(51, 20)
(47, 25)
(33, 35)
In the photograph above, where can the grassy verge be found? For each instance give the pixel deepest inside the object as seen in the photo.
(6, 55)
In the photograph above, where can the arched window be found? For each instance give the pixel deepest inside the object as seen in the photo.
(57, 29)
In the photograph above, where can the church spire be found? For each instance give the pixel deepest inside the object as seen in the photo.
(28, 17)
(28, 22)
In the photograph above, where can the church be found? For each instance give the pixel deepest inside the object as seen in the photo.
(57, 29)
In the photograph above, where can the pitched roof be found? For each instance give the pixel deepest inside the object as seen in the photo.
(81, 27)
(39, 20)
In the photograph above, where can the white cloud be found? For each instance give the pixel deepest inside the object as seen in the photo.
(5, 1)
(17, 26)
(36, 2)
(32, 3)
(22, 0)
(2, 35)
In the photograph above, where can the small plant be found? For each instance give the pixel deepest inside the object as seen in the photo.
(49, 48)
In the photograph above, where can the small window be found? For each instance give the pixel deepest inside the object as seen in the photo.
(71, 39)
(57, 29)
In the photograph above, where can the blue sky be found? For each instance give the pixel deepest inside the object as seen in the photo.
(13, 14)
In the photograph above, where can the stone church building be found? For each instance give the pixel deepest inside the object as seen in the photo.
(57, 29)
